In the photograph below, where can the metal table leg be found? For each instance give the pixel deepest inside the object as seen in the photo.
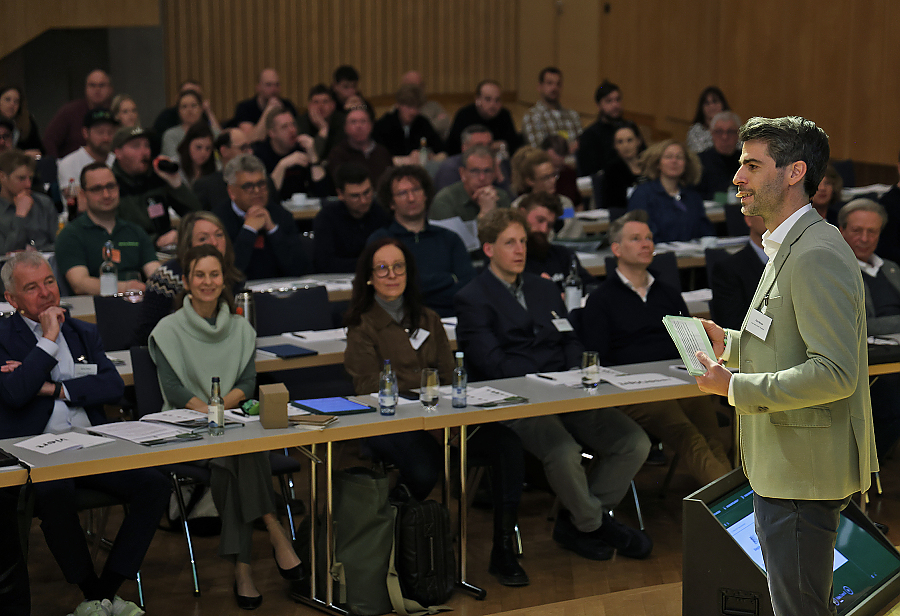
(479, 593)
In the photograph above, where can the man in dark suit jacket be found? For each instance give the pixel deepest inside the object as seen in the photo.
(265, 238)
(734, 279)
(512, 323)
(52, 383)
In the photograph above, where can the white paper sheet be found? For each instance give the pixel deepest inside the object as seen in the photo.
(142, 432)
(570, 378)
(52, 443)
(631, 382)
(322, 335)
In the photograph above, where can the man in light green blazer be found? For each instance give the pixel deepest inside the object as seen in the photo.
(802, 394)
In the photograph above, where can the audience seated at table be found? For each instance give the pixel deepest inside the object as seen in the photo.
(509, 324)
(165, 285)
(211, 190)
(711, 102)
(79, 246)
(195, 153)
(827, 199)
(146, 192)
(475, 194)
(191, 110)
(402, 129)
(14, 108)
(443, 262)
(265, 238)
(388, 321)
(202, 340)
(42, 392)
(623, 323)
(342, 229)
(290, 159)
(722, 160)
(475, 134)
(734, 279)
(27, 218)
(487, 110)
(357, 145)
(861, 222)
(624, 171)
(595, 146)
(546, 259)
(557, 148)
(675, 210)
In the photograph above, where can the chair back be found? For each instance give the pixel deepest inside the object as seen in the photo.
(146, 383)
(302, 309)
(664, 268)
(118, 319)
(735, 226)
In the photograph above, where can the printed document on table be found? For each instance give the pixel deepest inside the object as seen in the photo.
(478, 396)
(643, 381)
(322, 335)
(184, 418)
(689, 337)
(142, 432)
(52, 443)
(570, 378)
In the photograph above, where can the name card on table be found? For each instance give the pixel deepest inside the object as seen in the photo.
(52, 443)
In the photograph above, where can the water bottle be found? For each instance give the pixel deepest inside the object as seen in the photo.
(460, 382)
(573, 287)
(423, 151)
(216, 409)
(387, 390)
(109, 275)
(70, 193)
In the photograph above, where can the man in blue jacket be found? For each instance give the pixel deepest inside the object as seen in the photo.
(54, 376)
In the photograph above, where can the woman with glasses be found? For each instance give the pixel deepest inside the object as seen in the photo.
(675, 209)
(165, 285)
(533, 171)
(387, 320)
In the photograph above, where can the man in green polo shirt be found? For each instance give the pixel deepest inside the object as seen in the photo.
(79, 246)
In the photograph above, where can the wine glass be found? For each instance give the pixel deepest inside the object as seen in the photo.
(428, 390)
(590, 371)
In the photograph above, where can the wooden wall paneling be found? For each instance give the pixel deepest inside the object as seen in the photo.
(871, 75)
(578, 54)
(537, 42)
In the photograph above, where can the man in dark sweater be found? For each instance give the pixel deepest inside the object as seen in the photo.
(545, 259)
(861, 222)
(341, 230)
(625, 316)
(595, 145)
(265, 238)
(441, 258)
(487, 110)
(721, 161)
(889, 242)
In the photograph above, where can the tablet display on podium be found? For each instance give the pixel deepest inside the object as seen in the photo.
(724, 571)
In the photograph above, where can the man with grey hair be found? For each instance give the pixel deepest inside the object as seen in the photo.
(266, 241)
(802, 393)
(55, 376)
(722, 159)
(476, 134)
(861, 222)
(474, 195)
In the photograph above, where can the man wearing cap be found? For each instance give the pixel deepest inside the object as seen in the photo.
(63, 135)
(146, 192)
(595, 145)
(98, 131)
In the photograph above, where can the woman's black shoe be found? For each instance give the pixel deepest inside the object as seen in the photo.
(246, 603)
(294, 573)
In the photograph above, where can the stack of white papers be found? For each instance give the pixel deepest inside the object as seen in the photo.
(571, 378)
(145, 432)
(321, 335)
(52, 443)
(481, 396)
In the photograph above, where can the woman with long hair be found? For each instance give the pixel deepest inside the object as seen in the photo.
(195, 153)
(191, 109)
(387, 320)
(712, 101)
(624, 171)
(125, 111)
(14, 108)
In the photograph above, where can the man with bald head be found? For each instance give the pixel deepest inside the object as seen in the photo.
(432, 109)
(250, 115)
(489, 111)
(64, 134)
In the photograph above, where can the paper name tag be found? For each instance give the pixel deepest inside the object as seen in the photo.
(420, 336)
(156, 210)
(85, 370)
(562, 325)
(758, 324)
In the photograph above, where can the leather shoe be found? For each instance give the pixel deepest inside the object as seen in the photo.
(505, 564)
(584, 544)
(628, 541)
(294, 573)
(246, 603)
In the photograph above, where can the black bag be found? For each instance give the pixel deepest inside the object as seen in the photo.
(424, 556)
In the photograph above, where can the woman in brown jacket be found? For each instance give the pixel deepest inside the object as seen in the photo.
(387, 320)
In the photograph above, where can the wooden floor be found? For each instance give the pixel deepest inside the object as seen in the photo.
(562, 584)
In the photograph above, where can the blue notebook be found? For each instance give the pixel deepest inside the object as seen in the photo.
(332, 406)
(286, 351)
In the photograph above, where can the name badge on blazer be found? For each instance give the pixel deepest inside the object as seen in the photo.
(758, 324)
(85, 370)
(420, 336)
(562, 324)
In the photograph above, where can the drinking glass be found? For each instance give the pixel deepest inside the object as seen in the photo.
(590, 371)
(428, 389)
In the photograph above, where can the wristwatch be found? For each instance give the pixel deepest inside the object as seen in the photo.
(57, 390)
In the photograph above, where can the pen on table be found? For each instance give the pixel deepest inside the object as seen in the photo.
(544, 376)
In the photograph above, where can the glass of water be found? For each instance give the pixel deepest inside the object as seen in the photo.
(590, 371)
(428, 389)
